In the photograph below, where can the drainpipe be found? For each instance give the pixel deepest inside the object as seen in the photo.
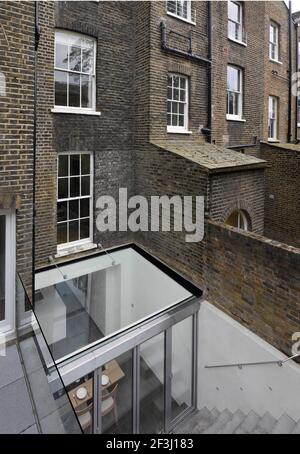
(36, 44)
(209, 70)
(297, 119)
(290, 75)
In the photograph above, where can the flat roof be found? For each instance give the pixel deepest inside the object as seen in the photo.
(211, 158)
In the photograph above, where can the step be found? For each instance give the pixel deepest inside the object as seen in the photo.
(200, 417)
(233, 423)
(206, 420)
(265, 424)
(249, 423)
(296, 430)
(284, 425)
(221, 421)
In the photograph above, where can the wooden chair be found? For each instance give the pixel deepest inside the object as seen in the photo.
(109, 403)
(84, 414)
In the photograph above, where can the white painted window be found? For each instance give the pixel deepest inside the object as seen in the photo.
(75, 199)
(234, 93)
(75, 72)
(274, 42)
(180, 8)
(235, 21)
(177, 103)
(239, 220)
(273, 118)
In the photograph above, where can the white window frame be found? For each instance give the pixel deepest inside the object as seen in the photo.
(181, 129)
(188, 17)
(273, 115)
(7, 326)
(237, 24)
(274, 44)
(86, 241)
(239, 116)
(69, 38)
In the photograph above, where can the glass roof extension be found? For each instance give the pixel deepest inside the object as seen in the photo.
(102, 296)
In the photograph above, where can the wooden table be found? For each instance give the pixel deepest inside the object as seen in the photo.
(114, 373)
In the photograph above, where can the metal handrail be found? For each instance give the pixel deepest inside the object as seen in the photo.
(241, 365)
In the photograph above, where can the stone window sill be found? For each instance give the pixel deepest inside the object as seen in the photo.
(67, 110)
(75, 249)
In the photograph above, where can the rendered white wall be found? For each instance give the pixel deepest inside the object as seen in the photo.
(260, 388)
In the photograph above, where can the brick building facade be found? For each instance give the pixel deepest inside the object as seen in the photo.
(17, 44)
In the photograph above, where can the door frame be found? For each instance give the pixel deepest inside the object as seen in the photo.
(8, 325)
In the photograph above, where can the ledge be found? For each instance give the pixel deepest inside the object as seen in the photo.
(75, 249)
(63, 110)
(232, 118)
(237, 41)
(188, 21)
(275, 61)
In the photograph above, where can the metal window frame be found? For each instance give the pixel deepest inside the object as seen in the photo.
(94, 361)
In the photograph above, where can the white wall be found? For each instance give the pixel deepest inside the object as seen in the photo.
(260, 388)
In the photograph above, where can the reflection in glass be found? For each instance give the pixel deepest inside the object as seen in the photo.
(75, 58)
(61, 56)
(74, 90)
(152, 385)
(86, 91)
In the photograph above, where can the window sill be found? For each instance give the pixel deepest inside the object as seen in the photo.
(188, 21)
(173, 130)
(237, 41)
(273, 140)
(75, 249)
(276, 61)
(65, 110)
(234, 118)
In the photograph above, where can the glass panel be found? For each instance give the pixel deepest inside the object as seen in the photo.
(75, 58)
(62, 235)
(84, 208)
(85, 185)
(74, 209)
(61, 89)
(181, 387)
(73, 231)
(116, 404)
(88, 59)
(74, 90)
(171, 5)
(2, 267)
(233, 11)
(85, 164)
(232, 79)
(86, 91)
(152, 385)
(74, 164)
(84, 229)
(63, 188)
(62, 211)
(81, 395)
(63, 170)
(74, 187)
(61, 56)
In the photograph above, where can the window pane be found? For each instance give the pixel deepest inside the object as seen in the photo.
(63, 188)
(61, 56)
(85, 164)
(85, 185)
(84, 208)
(233, 11)
(62, 233)
(74, 187)
(174, 120)
(84, 229)
(74, 209)
(75, 58)
(88, 59)
(86, 91)
(181, 120)
(74, 164)
(169, 120)
(169, 93)
(74, 90)
(176, 81)
(181, 108)
(181, 387)
(182, 95)
(232, 79)
(62, 213)
(73, 231)
(171, 5)
(63, 165)
(182, 83)
(61, 88)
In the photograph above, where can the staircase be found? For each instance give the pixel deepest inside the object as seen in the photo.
(205, 421)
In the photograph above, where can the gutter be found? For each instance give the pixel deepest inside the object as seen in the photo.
(290, 75)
